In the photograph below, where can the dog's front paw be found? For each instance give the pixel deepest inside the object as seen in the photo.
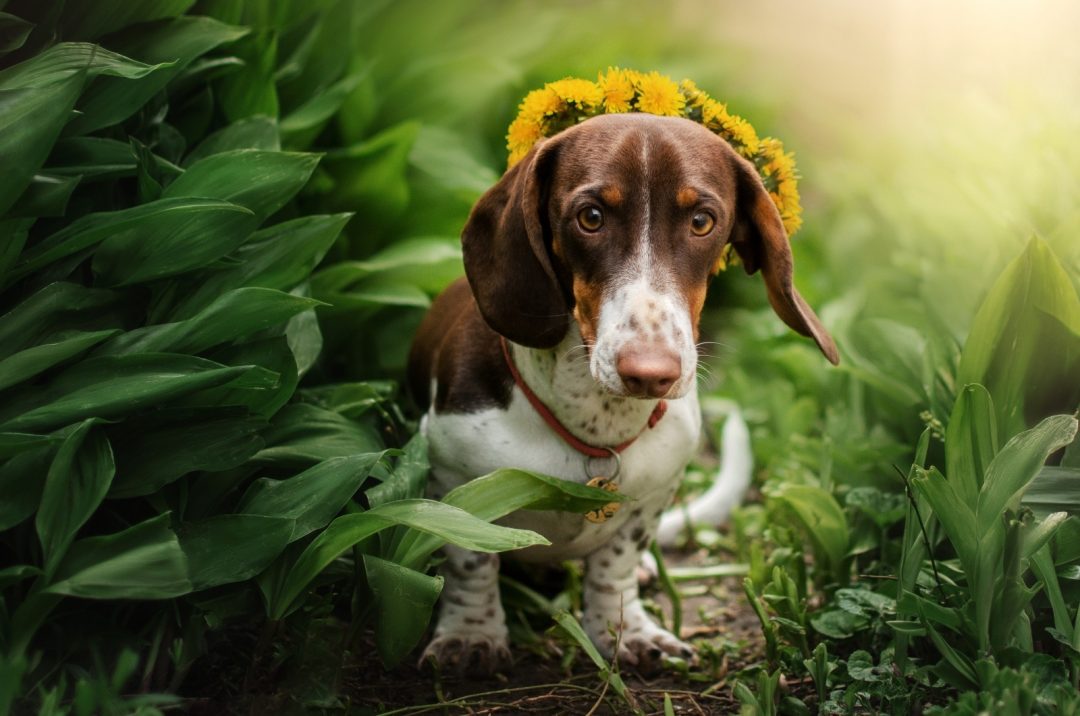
(473, 653)
(641, 644)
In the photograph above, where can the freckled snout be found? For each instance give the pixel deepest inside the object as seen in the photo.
(648, 371)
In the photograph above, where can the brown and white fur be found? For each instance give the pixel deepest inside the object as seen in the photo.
(602, 322)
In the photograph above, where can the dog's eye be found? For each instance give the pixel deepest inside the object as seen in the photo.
(702, 223)
(590, 218)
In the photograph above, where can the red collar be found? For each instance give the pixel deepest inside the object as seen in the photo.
(560, 429)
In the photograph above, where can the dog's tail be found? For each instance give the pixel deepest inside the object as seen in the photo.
(714, 506)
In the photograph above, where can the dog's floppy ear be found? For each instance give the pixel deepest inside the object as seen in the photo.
(762, 243)
(507, 259)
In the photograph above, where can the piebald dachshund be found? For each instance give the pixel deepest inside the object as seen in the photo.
(587, 266)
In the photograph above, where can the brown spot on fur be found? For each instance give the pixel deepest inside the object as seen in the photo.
(612, 195)
(686, 197)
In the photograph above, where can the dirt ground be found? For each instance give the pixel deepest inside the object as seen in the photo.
(550, 675)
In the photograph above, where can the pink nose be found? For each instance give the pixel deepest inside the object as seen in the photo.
(648, 371)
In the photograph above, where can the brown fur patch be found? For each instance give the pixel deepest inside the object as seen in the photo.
(612, 195)
(686, 197)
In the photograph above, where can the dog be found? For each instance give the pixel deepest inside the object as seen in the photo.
(587, 266)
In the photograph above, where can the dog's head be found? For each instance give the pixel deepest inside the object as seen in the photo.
(617, 223)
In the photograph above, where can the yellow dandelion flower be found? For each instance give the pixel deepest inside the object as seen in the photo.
(694, 96)
(522, 135)
(658, 94)
(617, 87)
(581, 92)
(742, 132)
(540, 103)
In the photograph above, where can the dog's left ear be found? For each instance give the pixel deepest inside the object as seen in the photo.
(762, 243)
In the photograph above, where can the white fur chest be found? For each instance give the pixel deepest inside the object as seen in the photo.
(465, 446)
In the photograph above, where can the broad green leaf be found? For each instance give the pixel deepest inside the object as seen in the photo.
(99, 17)
(13, 235)
(429, 263)
(53, 309)
(822, 519)
(30, 121)
(135, 238)
(273, 380)
(12, 444)
(175, 43)
(447, 523)
(112, 386)
(1054, 489)
(302, 435)
(404, 600)
(258, 132)
(371, 176)
(1035, 537)
(159, 448)
(21, 480)
(956, 517)
(441, 153)
(92, 158)
(235, 314)
(351, 399)
(970, 441)
(408, 476)
(313, 497)
(1024, 343)
(305, 338)
(1012, 469)
(300, 126)
(258, 180)
(78, 480)
(178, 241)
(142, 562)
(16, 574)
(375, 296)
(504, 491)
(68, 60)
(231, 548)
(13, 32)
(47, 195)
(280, 256)
(251, 91)
(30, 362)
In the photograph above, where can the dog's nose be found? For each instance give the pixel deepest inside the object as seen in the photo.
(648, 371)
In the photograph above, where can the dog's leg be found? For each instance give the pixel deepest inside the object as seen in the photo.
(613, 610)
(471, 635)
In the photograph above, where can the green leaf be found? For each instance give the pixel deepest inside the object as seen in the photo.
(1012, 469)
(54, 309)
(173, 43)
(403, 601)
(78, 480)
(302, 435)
(68, 60)
(13, 32)
(441, 153)
(571, 626)
(251, 91)
(136, 239)
(271, 383)
(957, 517)
(280, 256)
(301, 126)
(429, 263)
(30, 362)
(171, 442)
(231, 548)
(1054, 489)
(112, 386)
(371, 176)
(408, 476)
(142, 562)
(95, 18)
(47, 195)
(258, 180)
(14, 443)
(258, 132)
(93, 158)
(445, 522)
(21, 483)
(235, 314)
(1024, 343)
(504, 491)
(822, 519)
(179, 241)
(313, 497)
(970, 441)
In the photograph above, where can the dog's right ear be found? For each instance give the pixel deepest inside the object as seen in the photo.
(507, 259)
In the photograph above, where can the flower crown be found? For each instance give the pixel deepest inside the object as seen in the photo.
(558, 105)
